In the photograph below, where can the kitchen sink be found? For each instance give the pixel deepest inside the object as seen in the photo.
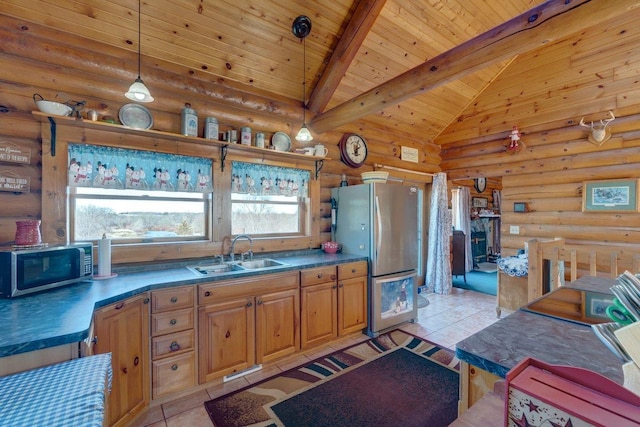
(259, 263)
(207, 270)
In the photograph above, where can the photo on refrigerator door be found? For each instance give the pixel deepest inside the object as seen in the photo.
(396, 297)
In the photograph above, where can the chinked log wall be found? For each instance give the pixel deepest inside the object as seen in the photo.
(34, 59)
(546, 92)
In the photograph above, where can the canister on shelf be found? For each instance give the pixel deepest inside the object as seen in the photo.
(260, 139)
(211, 128)
(189, 121)
(245, 135)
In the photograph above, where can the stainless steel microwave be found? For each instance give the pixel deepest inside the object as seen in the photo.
(24, 271)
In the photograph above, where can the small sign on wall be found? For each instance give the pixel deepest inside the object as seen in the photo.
(409, 154)
(13, 154)
(12, 182)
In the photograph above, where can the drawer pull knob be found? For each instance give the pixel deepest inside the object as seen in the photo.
(207, 294)
(320, 275)
(259, 302)
(341, 285)
(334, 287)
(174, 367)
(124, 370)
(173, 322)
(227, 335)
(119, 306)
(353, 270)
(174, 300)
(136, 361)
(249, 304)
(174, 346)
(146, 301)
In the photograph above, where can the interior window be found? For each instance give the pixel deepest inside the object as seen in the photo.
(269, 200)
(138, 216)
(267, 214)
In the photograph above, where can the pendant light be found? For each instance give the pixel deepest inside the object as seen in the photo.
(301, 29)
(138, 91)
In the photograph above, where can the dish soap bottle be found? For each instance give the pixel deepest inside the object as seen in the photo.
(189, 121)
(344, 182)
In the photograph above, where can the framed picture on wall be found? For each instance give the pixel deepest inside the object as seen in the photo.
(616, 195)
(479, 202)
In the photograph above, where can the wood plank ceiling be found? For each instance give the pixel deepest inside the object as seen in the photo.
(248, 44)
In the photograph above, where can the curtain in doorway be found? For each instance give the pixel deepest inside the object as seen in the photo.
(463, 222)
(438, 277)
(497, 205)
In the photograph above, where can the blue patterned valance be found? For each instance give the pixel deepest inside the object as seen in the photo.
(109, 167)
(259, 179)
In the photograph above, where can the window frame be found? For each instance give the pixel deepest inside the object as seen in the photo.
(54, 209)
(75, 193)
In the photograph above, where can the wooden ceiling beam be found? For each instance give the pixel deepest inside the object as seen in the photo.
(354, 35)
(541, 25)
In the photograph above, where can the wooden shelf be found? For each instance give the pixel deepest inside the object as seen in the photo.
(168, 136)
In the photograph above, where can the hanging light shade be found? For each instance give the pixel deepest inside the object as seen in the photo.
(301, 28)
(138, 91)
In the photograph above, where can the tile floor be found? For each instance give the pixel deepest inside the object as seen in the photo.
(445, 321)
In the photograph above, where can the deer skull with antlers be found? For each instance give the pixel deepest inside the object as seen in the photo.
(599, 133)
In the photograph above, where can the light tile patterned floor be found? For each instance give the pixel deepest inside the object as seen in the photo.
(446, 320)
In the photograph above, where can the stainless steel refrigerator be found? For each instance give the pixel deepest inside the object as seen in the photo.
(380, 221)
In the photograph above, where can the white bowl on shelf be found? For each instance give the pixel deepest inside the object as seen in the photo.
(375, 176)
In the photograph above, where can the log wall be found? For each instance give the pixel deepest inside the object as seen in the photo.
(60, 66)
(546, 93)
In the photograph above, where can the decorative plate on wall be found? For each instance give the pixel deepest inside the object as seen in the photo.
(135, 116)
(281, 141)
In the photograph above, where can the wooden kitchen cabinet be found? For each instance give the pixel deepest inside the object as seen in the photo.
(123, 330)
(245, 322)
(334, 302)
(352, 297)
(173, 344)
(319, 301)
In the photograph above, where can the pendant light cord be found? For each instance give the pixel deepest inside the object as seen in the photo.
(304, 81)
(139, 31)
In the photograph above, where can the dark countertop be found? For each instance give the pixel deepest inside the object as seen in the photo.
(63, 315)
(500, 346)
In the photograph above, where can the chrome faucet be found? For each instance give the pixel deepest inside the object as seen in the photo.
(233, 244)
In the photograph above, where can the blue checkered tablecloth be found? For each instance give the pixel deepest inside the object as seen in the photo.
(67, 394)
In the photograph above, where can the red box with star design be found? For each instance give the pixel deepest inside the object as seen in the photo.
(541, 394)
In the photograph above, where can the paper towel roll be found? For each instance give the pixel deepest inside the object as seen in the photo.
(104, 257)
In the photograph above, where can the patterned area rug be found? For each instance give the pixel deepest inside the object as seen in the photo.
(394, 379)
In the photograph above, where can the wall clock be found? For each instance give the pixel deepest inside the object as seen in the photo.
(480, 184)
(353, 150)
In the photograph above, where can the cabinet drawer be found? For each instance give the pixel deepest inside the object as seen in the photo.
(353, 269)
(172, 299)
(312, 276)
(172, 344)
(172, 321)
(174, 374)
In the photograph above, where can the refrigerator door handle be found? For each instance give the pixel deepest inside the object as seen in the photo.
(379, 221)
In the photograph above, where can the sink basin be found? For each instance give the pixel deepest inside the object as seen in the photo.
(259, 263)
(207, 270)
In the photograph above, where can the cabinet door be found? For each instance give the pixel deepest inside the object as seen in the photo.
(352, 305)
(319, 314)
(226, 338)
(277, 325)
(123, 330)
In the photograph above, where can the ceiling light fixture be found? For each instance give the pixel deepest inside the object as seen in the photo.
(138, 91)
(301, 29)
